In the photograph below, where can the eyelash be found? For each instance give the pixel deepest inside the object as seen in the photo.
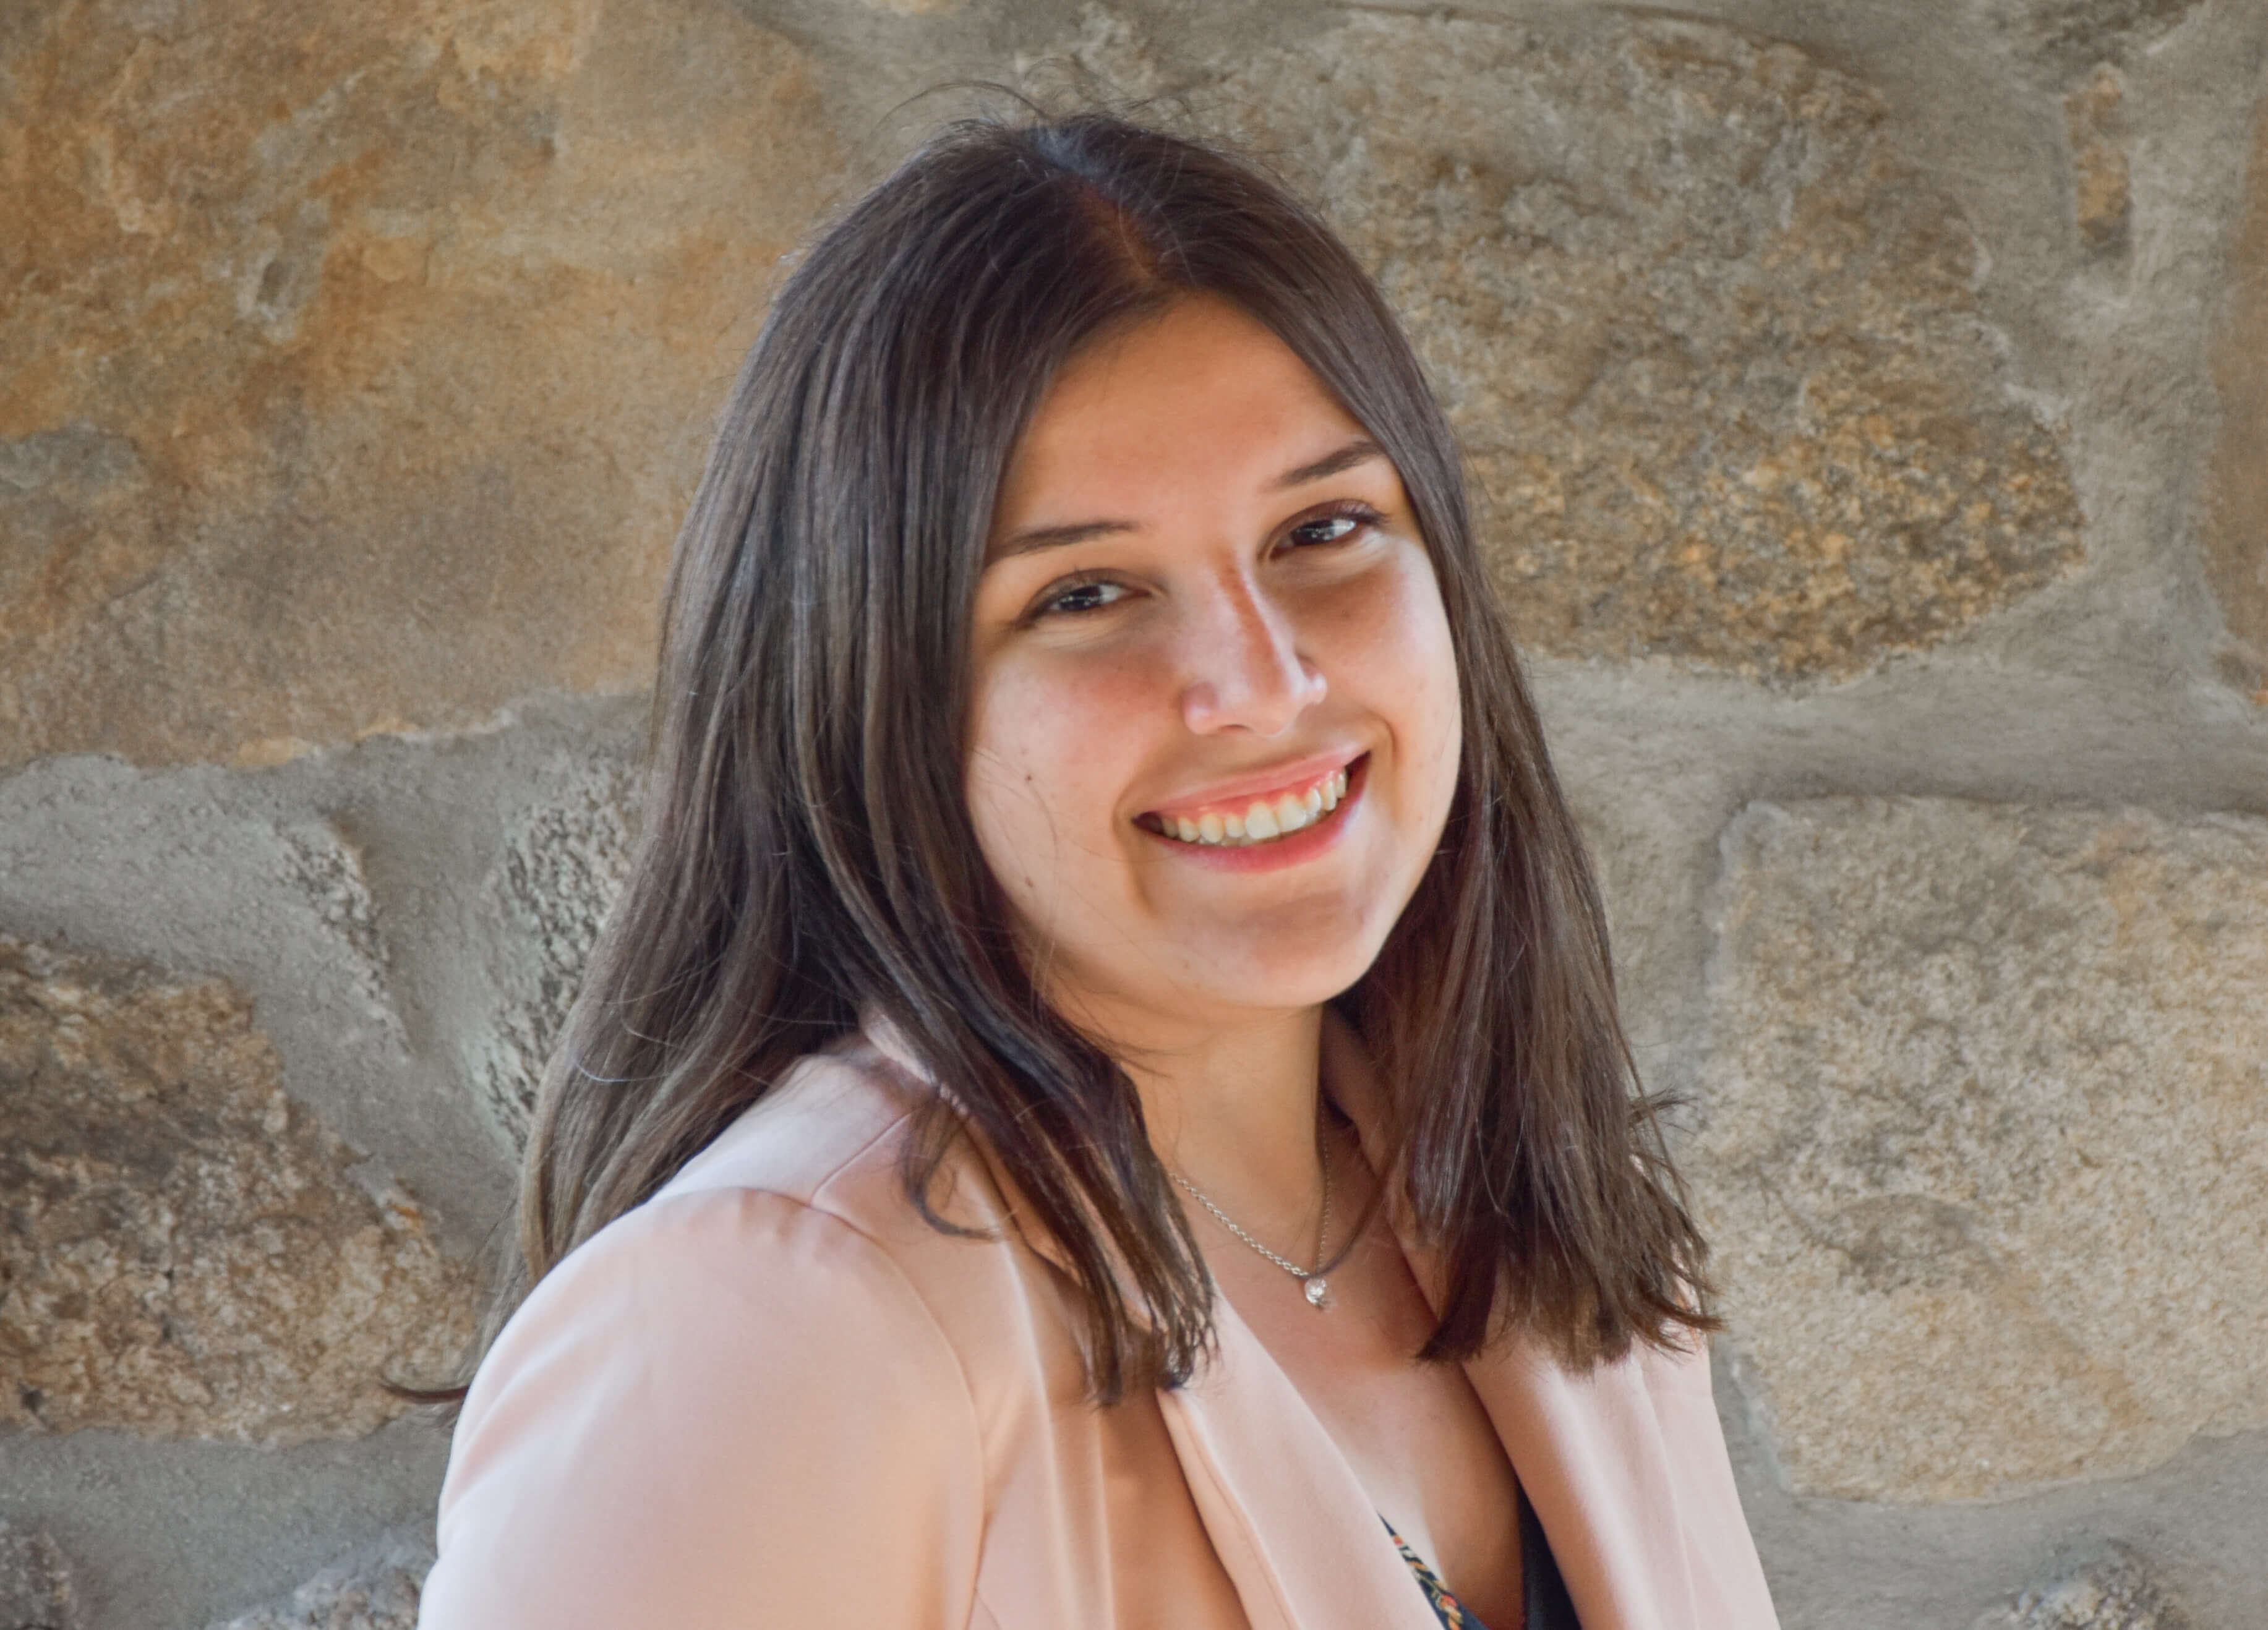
(1364, 517)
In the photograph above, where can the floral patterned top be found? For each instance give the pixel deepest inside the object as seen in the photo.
(1447, 1608)
(1544, 1602)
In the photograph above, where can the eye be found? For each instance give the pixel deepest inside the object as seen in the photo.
(1343, 522)
(1075, 597)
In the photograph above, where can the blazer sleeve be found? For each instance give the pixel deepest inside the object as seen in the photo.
(726, 1409)
(1728, 1575)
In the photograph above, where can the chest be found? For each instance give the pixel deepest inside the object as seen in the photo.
(1415, 1435)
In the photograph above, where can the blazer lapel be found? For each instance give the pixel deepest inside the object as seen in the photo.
(1624, 1464)
(1601, 1466)
(1290, 1523)
(1307, 1549)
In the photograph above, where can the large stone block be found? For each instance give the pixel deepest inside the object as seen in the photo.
(183, 1249)
(1982, 1144)
(2236, 509)
(1712, 337)
(360, 357)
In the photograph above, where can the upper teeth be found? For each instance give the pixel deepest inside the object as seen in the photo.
(1264, 818)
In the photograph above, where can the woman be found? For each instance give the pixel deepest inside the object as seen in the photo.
(1101, 1102)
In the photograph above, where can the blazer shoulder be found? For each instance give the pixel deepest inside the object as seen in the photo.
(700, 1418)
(834, 1135)
(833, 1121)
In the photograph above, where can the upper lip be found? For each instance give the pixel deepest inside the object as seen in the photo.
(1274, 779)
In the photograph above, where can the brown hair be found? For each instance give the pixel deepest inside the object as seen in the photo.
(806, 848)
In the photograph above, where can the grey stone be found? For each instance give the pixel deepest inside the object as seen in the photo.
(325, 865)
(186, 1252)
(563, 862)
(376, 1590)
(2065, 38)
(2108, 1587)
(1980, 1142)
(1711, 338)
(35, 1588)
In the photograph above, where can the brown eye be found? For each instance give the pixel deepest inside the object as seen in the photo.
(1077, 597)
(1333, 528)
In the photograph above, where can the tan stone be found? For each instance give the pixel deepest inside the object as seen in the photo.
(1711, 338)
(2237, 506)
(360, 357)
(186, 1252)
(2102, 193)
(1981, 1150)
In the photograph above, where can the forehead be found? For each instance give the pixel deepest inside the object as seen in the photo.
(1200, 398)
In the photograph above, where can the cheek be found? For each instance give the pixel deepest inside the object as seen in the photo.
(1399, 643)
(1441, 697)
(1049, 755)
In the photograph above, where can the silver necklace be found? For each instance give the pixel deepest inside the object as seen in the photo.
(1318, 1289)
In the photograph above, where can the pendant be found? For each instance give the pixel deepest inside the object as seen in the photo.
(1319, 1293)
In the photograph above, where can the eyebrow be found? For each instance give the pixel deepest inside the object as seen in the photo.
(1361, 450)
(1340, 460)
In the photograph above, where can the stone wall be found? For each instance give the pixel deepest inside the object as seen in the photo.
(1869, 411)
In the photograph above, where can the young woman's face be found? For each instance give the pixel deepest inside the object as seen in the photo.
(1206, 614)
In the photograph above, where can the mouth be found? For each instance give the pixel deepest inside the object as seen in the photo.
(1255, 823)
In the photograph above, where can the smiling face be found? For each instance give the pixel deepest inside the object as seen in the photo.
(1215, 723)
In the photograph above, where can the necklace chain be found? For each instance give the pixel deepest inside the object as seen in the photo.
(1322, 1233)
(1318, 1294)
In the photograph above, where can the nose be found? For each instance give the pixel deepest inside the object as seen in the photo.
(1245, 670)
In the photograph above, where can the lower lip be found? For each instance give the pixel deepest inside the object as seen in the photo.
(1304, 844)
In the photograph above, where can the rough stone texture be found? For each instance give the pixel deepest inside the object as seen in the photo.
(35, 1588)
(183, 1250)
(2236, 509)
(359, 357)
(562, 864)
(2066, 38)
(375, 1591)
(325, 865)
(1712, 341)
(2108, 1587)
(382, 494)
(1982, 1138)
(2102, 189)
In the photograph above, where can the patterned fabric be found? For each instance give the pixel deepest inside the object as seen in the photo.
(1452, 1612)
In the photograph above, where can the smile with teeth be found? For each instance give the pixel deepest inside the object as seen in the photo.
(1262, 821)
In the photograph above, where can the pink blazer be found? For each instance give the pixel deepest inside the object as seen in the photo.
(773, 1395)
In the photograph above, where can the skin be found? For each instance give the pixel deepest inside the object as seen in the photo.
(1201, 569)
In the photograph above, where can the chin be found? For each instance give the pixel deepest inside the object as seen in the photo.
(1313, 981)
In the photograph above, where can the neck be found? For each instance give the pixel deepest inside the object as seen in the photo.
(1231, 1107)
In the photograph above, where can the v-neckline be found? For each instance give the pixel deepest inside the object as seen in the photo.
(1278, 1497)
(1598, 1453)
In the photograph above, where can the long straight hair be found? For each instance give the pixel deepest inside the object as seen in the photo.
(806, 848)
